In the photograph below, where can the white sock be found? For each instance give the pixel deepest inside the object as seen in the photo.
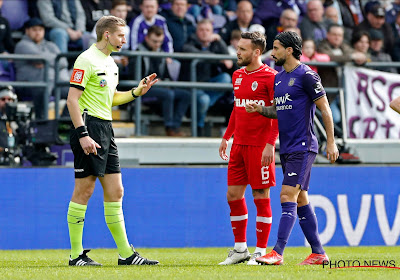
(263, 251)
(240, 246)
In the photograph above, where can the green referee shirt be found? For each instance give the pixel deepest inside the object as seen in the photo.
(97, 75)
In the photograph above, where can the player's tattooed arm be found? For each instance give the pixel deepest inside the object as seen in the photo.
(269, 112)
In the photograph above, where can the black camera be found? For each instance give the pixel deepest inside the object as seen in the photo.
(18, 112)
(32, 137)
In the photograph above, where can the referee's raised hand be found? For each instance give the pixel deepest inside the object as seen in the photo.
(146, 83)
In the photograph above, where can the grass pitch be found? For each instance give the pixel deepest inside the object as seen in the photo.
(194, 263)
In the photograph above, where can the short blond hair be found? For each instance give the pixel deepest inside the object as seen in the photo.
(108, 23)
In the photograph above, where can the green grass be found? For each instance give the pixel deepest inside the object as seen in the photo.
(193, 263)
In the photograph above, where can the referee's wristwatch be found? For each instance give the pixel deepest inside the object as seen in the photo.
(133, 93)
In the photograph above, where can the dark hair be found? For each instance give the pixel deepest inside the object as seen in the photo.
(358, 35)
(156, 30)
(236, 34)
(332, 25)
(173, 1)
(257, 40)
(116, 3)
(290, 39)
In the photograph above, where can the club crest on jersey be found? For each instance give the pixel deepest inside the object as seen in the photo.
(103, 83)
(254, 85)
(291, 82)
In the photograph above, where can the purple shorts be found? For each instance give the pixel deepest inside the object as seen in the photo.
(296, 168)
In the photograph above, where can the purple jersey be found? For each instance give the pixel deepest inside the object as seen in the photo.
(295, 93)
(139, 27)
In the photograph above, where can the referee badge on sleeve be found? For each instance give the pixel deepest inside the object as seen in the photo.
(77, 76)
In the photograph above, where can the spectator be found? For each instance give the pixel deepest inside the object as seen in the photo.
(180, 24)
(294, 29)
(94, 10)
(204, 41)
(16, 12)
(314, 26)
(174, 102)
(242, 22)
(332, 14)
(376, 20)
(392, 8)
(6, 41)
(269, 12)
(133, 9)
(396, 35)
(147, 18)
(257, 28)
(360, 42)
(377, 53)
(341, 52)
(33, 43)
(235, 37)
(230, 7)
(309, 53)
(6, 95)
(209, 9)
(349, 15)
(338, 51)
(66, 20)
(287, 19)
(7, 72)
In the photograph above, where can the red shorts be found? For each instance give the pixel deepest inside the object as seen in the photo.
(245, 168)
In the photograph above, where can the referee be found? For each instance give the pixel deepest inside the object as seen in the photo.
(93, 87)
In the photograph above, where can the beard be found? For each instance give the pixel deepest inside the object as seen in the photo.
(244, 62)
(280, 62)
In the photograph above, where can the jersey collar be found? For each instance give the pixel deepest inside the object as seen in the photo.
(254, 71)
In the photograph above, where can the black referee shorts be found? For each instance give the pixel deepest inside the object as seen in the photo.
(106, 161)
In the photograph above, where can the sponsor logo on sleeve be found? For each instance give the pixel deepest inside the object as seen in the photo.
(77, 76)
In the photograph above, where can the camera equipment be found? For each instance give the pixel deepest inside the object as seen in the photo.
(32, 137)
(19, 112)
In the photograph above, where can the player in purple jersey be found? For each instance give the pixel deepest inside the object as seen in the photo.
(298, 91)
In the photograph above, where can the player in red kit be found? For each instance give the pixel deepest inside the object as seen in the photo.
(252, 154)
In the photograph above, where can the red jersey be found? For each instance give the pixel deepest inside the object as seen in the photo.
(252, 129)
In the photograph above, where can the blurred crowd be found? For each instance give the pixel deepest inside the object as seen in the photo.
(342, 31)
